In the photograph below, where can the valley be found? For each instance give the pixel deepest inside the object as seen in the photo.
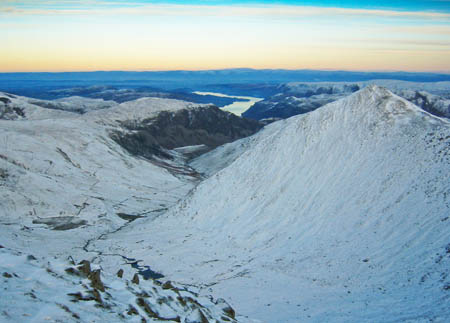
(165, 210)
(211, 161)
(237, 107)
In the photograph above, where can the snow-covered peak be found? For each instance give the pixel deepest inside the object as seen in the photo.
(341, 211)
(300, 98)
(376, 105)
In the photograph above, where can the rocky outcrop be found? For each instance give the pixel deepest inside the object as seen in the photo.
(9, 111)
(83, 292)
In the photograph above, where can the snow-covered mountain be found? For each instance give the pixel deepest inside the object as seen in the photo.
(435, 104)
(14, 107)
(338, 215)
(76, 104)
(298, 98)
(65, 182)
(150, 135)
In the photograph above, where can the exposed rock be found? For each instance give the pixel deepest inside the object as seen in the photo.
(7, 275)
(226, 308)
(8, 112)
(96, 281)
(167, 285)
(5, 100)
(207, 125)
(3, 174)
(85, 267)
(128, 217)
(132, 311)
(148, 310)
(61, 223)
(120, 273)
(135, 279)
(97, 296)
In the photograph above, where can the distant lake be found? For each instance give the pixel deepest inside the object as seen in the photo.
(237, 107)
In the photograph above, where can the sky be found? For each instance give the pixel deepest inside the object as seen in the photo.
(138, 35)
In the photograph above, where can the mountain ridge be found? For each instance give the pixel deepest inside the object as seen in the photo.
(341, 211)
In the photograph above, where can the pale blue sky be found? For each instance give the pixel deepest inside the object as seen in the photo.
(83, 35)
(409, 5)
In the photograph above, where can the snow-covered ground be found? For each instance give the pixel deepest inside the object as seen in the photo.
(65, 170)
(339, 215)
(65, 183)
(75, 104)
(63, 291)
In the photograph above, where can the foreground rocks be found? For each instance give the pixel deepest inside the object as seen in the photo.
(83, 292)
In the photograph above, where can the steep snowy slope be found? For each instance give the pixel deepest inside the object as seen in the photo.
(211, 162)
(338, 215)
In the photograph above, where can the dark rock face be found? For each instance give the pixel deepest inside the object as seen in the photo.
(8, 111)
(61, 223)
(207, 126)
(5, 100)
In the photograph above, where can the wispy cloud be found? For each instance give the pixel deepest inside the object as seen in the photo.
(286, 11)
(115, 34)
(422, 30)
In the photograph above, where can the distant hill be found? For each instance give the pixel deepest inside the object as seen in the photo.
(170, 80)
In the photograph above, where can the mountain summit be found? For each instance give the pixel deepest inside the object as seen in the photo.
(339, 214)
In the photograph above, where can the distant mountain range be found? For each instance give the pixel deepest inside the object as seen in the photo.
(298, 98)
(197, 80)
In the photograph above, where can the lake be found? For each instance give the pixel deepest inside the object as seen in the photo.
(237, 107)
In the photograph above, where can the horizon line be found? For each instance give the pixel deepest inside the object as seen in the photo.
(229, 69)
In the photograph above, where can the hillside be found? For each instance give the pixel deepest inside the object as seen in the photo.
(65, 182)
(337, 215)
